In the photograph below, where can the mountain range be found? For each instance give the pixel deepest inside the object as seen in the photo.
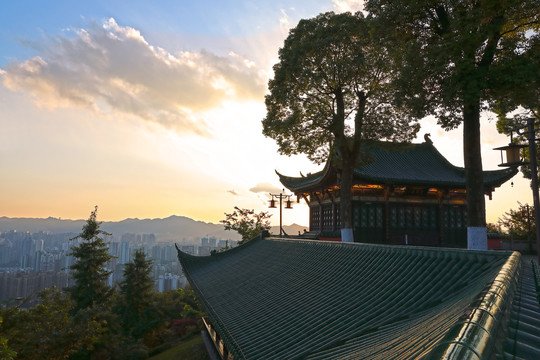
(171, 228)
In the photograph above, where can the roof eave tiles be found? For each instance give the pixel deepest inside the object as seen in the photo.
(276, 299)
(402, 164)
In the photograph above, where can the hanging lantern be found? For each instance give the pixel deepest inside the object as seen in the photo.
(288, 204)
(513, 155)
(272, 204)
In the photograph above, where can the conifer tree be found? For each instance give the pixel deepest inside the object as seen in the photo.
(136, 295)
(89, 271)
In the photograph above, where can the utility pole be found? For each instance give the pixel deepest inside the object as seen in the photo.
(281, 197)
(513, 159)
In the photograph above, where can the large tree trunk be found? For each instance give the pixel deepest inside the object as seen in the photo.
(476, 207)
(476, 203)
(345, 206)
(348, 149)
(345, 165)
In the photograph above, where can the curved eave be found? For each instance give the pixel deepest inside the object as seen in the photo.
(420, 164)
(311, 181)
(191, 263)
(400, 164)
(492, 179)
(496, 178)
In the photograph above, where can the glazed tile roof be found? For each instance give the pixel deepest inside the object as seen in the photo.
(400, 164)
(523, 338)
(301, 299)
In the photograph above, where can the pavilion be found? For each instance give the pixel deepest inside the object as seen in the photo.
(402, 193)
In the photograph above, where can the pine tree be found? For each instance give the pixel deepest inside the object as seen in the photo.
(89, 271)
(135, 307)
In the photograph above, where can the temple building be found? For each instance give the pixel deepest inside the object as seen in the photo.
(402, 194)
(284, 298)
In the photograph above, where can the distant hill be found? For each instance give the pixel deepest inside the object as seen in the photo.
(172, 228)
(290, 230)
(49, 224)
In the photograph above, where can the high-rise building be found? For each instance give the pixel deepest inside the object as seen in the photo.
(124, 252)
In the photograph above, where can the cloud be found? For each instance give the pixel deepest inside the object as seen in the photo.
(265, 188)
(233, 192)
(348, 5)
(284, 20)
(112, 69)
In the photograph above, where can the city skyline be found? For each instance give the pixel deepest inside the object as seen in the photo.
(151, 110)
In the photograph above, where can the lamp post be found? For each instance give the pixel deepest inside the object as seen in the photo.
(529, 237)
(288, 205)
(513, 159)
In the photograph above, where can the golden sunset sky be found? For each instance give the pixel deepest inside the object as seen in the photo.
(153, 108)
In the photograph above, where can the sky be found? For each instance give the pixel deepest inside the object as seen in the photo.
(153, 108)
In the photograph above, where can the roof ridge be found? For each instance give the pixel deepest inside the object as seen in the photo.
(416, 250)
(184, 255)
(478, 330)
(398, 163)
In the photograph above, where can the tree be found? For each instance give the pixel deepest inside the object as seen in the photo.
(519, 99)
(449, 52)
(246, 222)
(48, 331)
(506, 124)
(332, 90)
(136, 310)
(171, 307)
(520, 223)
(89, 270)
(5, 352)
(494, 229)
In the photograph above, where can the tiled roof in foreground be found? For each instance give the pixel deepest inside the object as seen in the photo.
(301, 299)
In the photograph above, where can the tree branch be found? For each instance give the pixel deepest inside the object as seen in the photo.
(517, 27)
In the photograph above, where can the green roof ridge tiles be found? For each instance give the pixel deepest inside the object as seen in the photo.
(282, 298)
(479, 332)
(536, 275)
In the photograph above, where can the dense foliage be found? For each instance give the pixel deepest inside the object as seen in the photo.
(135, 307)
(516, 224)
(457, 59)
(517, 126)
(5, 352)
(519, 223)
(129, 323)
(332, 89)
(519, 99)
(51, 331)
(246, 222)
